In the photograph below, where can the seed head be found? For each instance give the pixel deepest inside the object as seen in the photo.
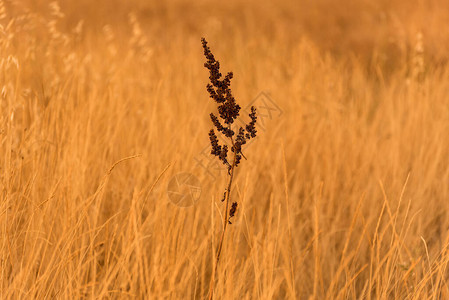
(228, 110)
(219, 89)
(232, 211)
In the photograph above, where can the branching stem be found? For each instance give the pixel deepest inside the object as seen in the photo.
(225, 223)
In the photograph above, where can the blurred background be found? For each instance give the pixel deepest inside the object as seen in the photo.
(343, 196)
(384, 31)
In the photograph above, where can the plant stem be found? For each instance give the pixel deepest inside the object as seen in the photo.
(225, 225)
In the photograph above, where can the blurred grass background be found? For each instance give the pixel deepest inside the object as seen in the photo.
(344, 194)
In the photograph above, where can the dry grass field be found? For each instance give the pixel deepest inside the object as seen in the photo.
(345, 193)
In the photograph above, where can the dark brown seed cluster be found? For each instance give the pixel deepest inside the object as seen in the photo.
(218, 88)
(220, 91)
(251, 127)
(232, 211)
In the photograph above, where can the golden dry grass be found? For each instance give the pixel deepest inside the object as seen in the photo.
(344, 195)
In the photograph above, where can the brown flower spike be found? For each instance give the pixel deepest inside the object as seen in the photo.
(220, 91)
(228, 110)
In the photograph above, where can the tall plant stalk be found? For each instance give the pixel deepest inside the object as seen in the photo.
(220, 91)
